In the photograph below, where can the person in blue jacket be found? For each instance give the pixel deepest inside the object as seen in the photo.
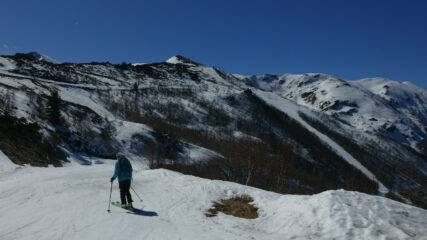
(123, 171)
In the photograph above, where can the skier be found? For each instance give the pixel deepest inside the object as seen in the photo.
(123, 170)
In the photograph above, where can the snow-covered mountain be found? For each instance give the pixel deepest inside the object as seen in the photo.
(41, 57)
(286, 133)
(376, 105)
(178, 59)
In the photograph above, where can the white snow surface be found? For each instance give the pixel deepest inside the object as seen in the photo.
(199, 154)
(6, 64)
(71, 203)
(138, 64)
(5, 164)
(173, 60)
(180, 60)
(84, 99)
(125, 129)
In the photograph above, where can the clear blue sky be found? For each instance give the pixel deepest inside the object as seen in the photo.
(348, 39)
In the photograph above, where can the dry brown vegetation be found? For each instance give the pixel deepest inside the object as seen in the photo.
(238, 206)
(272, 162)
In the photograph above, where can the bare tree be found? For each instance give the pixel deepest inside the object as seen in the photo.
(7, 101)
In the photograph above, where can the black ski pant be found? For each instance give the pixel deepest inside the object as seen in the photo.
(124, 191)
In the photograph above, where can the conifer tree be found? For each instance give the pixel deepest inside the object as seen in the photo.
(53, 105)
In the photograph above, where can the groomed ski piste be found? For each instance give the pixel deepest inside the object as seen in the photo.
(71, 203)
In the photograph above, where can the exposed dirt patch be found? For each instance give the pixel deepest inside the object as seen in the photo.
(238, 206)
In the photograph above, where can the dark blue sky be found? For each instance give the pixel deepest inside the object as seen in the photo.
(348, 39)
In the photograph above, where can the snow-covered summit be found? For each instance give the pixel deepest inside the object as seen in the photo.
(178, 59)
(41, 57)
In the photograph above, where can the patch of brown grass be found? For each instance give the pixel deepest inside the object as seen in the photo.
(238, 206)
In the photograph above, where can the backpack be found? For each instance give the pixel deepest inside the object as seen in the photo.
(125, 168)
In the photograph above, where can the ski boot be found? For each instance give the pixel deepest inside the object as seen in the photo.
(129, 206)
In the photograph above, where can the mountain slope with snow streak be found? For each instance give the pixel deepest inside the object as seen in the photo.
(292, 110)
(182, 112)
(42, 57)
(71, 202)
(376, 105)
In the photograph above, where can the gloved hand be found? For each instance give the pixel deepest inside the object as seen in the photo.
(112, 179)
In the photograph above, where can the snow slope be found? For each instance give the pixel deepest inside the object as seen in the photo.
(292, 110)
(173, 60)
(5, 164)
(178, 59)
(42, 57)
(71, 203)
(378, 105)
(6, 64)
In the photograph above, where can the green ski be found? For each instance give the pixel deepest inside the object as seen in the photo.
(118, 204)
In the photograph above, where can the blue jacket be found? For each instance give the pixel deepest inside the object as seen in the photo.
(121, 174)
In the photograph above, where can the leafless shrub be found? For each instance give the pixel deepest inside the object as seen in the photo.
(238, 206)
(7, 101)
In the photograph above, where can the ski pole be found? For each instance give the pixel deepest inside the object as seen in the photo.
(136, 193)
(109, 201)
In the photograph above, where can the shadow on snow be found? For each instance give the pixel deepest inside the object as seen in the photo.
(143, 213)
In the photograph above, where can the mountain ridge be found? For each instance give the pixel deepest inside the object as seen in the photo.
(181, 112)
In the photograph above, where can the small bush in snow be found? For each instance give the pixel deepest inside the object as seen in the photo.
(238, 206)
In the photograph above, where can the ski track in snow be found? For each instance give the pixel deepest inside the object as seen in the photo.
(71, 203)
(292, 109)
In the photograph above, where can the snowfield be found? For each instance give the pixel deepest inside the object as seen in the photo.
(71, 203)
